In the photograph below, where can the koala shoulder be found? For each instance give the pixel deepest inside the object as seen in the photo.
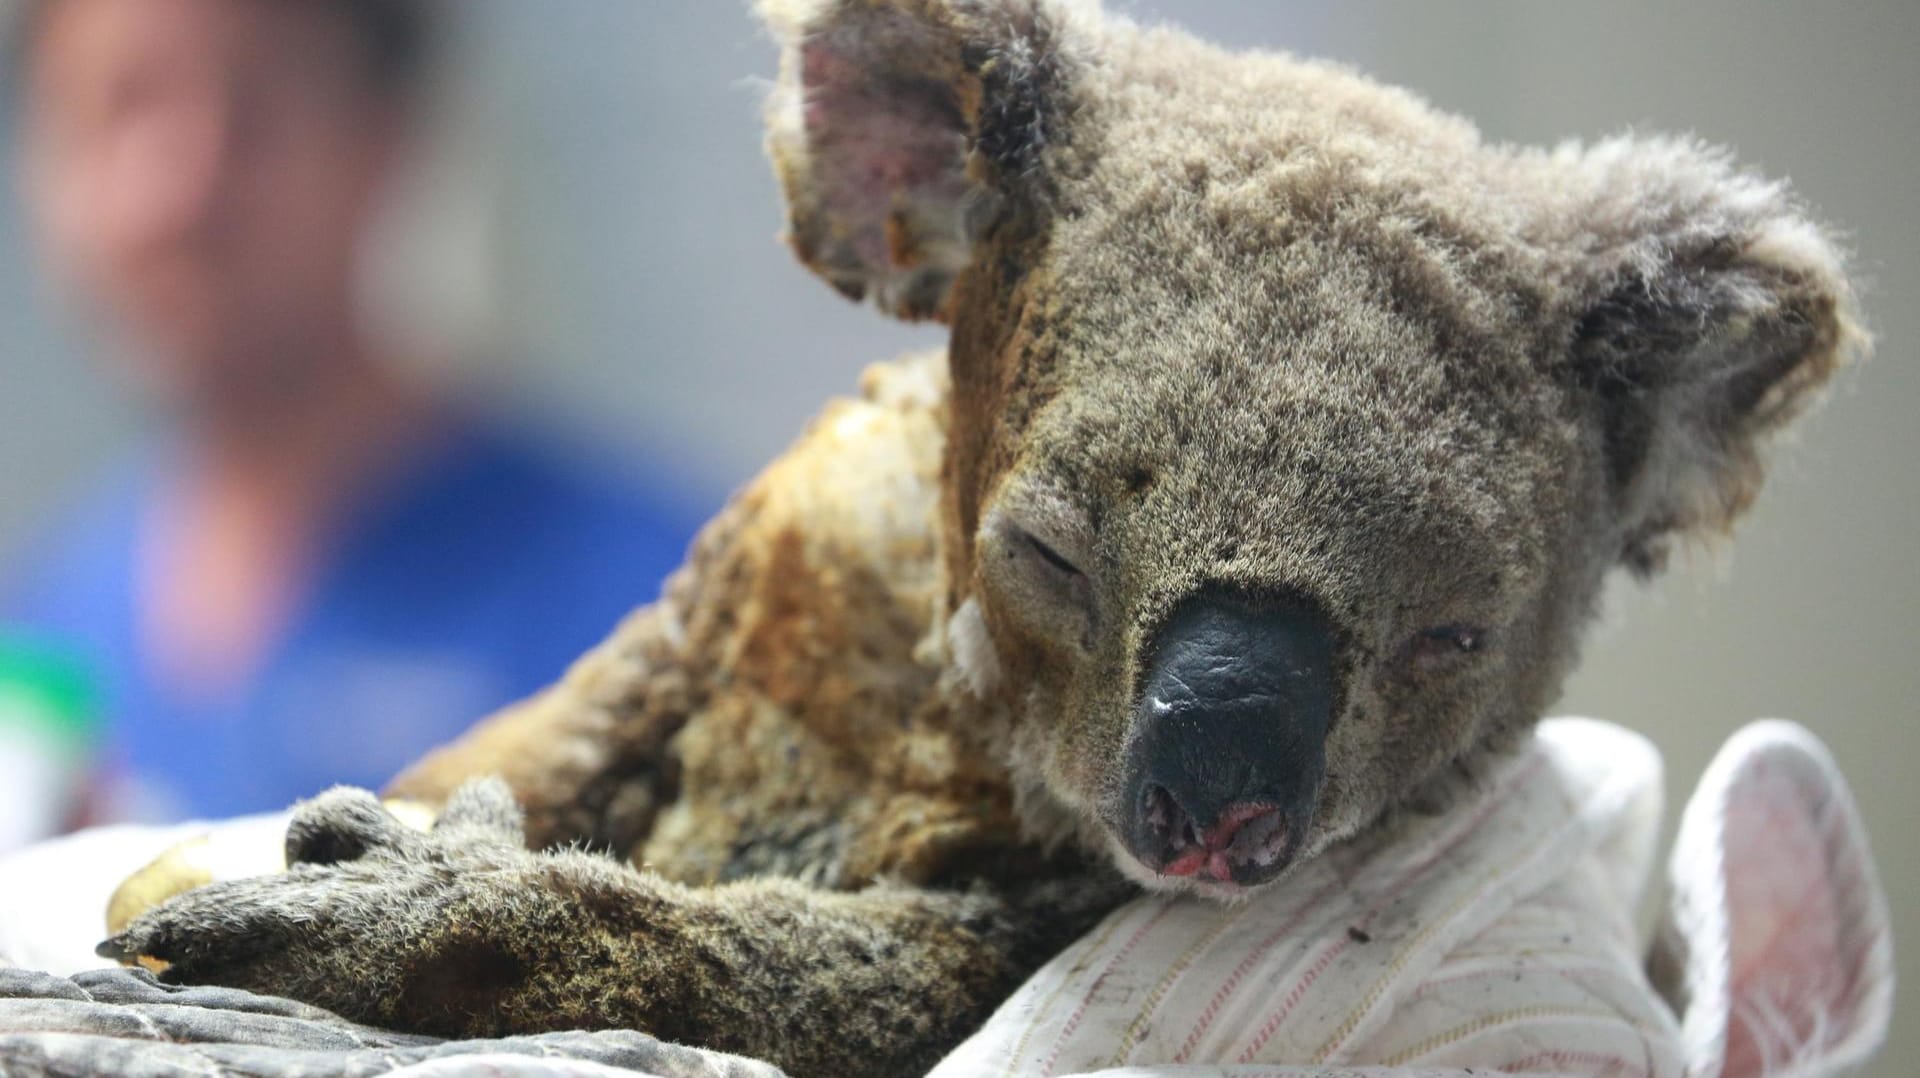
(820, 747)
(783, 648)
(848, 512)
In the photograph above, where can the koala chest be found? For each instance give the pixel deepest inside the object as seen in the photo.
(824, 746)
(764, 791)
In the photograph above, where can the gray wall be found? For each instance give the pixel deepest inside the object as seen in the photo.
(602, 233)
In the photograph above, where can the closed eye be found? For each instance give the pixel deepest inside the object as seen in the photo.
(1443, 643)
(1052, 557)
(1055, 594)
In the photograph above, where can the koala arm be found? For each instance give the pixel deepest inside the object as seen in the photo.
(463, 932)
(836, 532)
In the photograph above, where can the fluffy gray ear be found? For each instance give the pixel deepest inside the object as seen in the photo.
(902, 129)
(1711, 311)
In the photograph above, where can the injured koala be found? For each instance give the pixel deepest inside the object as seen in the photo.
(1285, 437)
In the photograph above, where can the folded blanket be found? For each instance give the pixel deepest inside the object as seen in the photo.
(1499, 935)
(1496, 936)
(122, 1022)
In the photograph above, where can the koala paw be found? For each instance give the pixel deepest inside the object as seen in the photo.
(373, 919)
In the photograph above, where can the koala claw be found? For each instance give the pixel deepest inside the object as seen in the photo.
(347, 824)
(363, 907)
(486, 806)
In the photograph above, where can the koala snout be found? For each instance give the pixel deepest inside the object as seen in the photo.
(1230, 739)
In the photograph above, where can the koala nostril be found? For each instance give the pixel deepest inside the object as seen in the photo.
(1235, 819)
(1250, 834)
(1180, 839)
(1154, 806)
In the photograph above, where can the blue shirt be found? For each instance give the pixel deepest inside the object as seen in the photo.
(472, 581)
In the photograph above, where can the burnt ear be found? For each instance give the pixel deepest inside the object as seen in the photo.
(902, 130)
(1711, 311)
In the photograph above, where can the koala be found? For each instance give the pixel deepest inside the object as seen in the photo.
(1285, 436)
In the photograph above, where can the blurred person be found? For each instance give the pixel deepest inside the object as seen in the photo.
(324, 566)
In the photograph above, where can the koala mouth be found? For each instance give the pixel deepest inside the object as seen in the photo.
(1246, 842)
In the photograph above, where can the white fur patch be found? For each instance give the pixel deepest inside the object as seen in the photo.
(973, 655)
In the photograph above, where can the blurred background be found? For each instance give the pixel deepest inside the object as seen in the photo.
(584, 239)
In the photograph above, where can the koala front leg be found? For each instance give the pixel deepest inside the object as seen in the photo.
(464, 932)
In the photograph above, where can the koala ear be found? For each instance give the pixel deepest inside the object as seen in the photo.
(902, 129)
(1711, 311)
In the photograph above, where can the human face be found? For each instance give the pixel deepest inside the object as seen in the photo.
(202, 172)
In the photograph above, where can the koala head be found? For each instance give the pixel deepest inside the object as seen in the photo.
(1293, 428)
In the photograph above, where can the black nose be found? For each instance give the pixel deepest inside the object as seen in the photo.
(1230, 737)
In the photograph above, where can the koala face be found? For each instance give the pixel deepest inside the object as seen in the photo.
(1284, 538)
(1293, 429)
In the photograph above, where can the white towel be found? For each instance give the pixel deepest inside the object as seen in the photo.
(53, 896)
(1499, 938)
(1499, 935)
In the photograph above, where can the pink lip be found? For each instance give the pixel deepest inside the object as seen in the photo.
(1187, 863)
(1210, 859)
(1205, 876)
(1211, 863)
